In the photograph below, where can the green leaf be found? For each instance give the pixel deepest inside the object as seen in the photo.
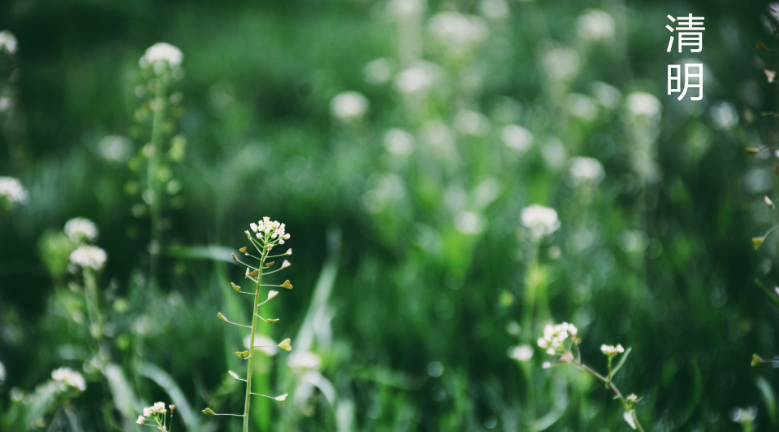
(621, 362)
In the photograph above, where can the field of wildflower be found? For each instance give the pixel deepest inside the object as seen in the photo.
(391, 215)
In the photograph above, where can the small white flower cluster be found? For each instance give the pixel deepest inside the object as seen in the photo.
(586, 170)
(89, 257)
(159, 54)
(12, 190)
(540, 220)
(611, 350)
(157, 408)
(79, 229)
(70, 378)
(555, 336)
(7, 42)
(348, 105)
(744, 415)
(272, 229)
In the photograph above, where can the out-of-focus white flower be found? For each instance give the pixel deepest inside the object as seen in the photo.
(115, 148)
(540, 220)
(606, 95)
(456, 31)
(348, 105)
(628, 416)
(12, 190)
(723, 116)
(89, 256)
(521, 352)
(159, 54)
(141, 420)
(560, 63)
(581, 106)
(586, 170)
(70, 377)
(469, 222)
(546, 365)
(7, 42)
(273, 230)
(516, 137)
(743, 415)
(378, 71)
(304, 360)
(404, 9)
(611, 350)
(472, 123)
(495, 9)
(262, 343)
(399, 142)
(439, 136)
(79, 229)
(555, 336)
(595, 25)
(643, 104)
(417, 78)
(5, 103)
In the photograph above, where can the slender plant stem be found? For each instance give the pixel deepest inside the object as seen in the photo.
(157, 136)
(613, 388)
(251, 342)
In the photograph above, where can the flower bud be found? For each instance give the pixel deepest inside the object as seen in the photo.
(272, 294)
(286, 285)
(272, 320)
(285, 264)
(234, 375)
(242, 250)
(281, 398)
(208, 411)
(288, 252)
(233, 255)
(221, 317)
(243, 355)
(286, 345)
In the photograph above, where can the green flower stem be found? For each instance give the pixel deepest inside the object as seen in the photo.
(255, 305)
(613, 388)
(90, 295)
(157, 136)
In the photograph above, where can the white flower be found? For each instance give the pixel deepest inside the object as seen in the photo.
(594, 25)
(348, 105)
(417, 78)
(273, 230)
(378, 71)
(115, 148)
(8, 41)
(157, 408)
(521, 353)
(472, 123)
(456, 31)
(606, 95)
(743, 415)
(469, 222)
(643, 104)
(546, 365)
(159, 54)
(585, 169)
(399, 142)
(723, 115)
(516, 137)
(560, 63)
(611, 350)
(70, 378)
(140, 420)
(79, 229)
(540, 220)
(581, 106)
(555, 336)
(89, 256)
(12, 190)
(628, 416)
(304, 360)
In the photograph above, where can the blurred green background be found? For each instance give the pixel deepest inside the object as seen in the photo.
(399, 141)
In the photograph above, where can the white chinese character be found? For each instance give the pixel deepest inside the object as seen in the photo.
(688, 84)
(690, 32)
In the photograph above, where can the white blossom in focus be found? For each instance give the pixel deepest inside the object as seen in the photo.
(89, 256)
(516, 137)
(157, 408)
(348, 105)
(70, 377)
(540, 220)
(274, 230)
(79, 229)
(611, 350)
(586, 170)
(555, 336)
(159, 54)
(8, 42)
(12, 190)
(595, 25)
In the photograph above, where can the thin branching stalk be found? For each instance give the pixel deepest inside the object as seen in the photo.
(251, 340)
(610, 384)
